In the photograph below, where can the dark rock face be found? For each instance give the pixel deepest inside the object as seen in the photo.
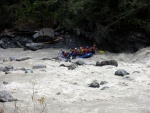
(125, 40)
(121, 72)
(48, 33)
(30, 40)
(109, 62)
(6, 96)
(94, 84)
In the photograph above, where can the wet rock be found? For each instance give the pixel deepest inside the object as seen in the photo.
(28, 71)
(23, 59)
(6, 96)
(6, 42)
(79, 62)
(9, 68)
(103, 82)
(36, 46)
(45, 32)
(22, 69)
(94, 84)
(108, 62)
(72, 67)
(5, 82)
(121, 72)
(2, 69)
(46, 59)
(38, 66)
(62, 65)
(106, 87)
(12, 59)
(6, 60)
(8, 72)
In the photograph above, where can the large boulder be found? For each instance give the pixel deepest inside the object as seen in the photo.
(94, 84)
(6, 96)
(121, 72)
(47, 33)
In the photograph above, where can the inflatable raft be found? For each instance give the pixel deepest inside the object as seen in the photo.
(87, 55)
(70, 56)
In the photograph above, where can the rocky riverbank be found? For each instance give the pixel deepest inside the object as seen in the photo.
(122, 41)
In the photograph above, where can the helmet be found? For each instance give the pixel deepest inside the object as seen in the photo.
(87, 47)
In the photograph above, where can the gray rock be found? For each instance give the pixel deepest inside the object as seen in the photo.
(36, 46)
(106, 87)
(103, 82)
(121, 72)
(72, 66)
(22, 69)
(79, 62)
(62, 65)
(7, 72)
(12, 59)
(38, 66)
(2, 69)
(107, 62)
(46, 59)
(44, 32)
(5, 82)
(22, 59)
(94, 84)
(6, 96)
(6, 60)
(9, 67)
(28, 71)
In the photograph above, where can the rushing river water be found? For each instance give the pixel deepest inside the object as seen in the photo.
(67, 91)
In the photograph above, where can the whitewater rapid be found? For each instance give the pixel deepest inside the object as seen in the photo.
(67, 91)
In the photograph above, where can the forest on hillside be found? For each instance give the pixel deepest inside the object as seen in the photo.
(99, 18)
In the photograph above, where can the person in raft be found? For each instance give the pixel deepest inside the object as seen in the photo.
(74, 52)
(78, 52)
(88, 49)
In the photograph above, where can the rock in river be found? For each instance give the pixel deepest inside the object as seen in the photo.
(94, 84)
(107, 62)
(121, 72)
(38, 66)
(6, 96)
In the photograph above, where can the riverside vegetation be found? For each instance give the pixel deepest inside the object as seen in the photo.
(104, 22)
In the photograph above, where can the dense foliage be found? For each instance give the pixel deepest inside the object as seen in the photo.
(96, 16)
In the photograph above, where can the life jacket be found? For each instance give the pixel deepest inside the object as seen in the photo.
(65, 54)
